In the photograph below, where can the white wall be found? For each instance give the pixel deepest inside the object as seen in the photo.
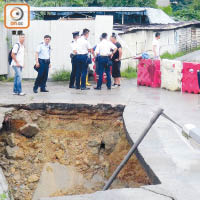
(171, 41)
(3, 50)
(61, 32)
(103, 24)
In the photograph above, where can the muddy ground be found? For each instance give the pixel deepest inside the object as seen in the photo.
(92, 142)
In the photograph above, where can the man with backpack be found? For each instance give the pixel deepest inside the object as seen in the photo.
(16, 60)
(43, 64)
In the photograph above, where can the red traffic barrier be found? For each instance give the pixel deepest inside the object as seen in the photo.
(190, 82)
(149, 73)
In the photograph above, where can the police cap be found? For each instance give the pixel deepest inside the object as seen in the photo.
(76, 33)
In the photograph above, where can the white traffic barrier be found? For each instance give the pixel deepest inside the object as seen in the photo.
(192, 131)
(171, 74)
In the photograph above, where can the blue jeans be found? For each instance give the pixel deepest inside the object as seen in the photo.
(103, 65)
(17, 80)
(81, 71)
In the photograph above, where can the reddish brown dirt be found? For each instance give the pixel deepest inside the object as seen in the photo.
(64, 138)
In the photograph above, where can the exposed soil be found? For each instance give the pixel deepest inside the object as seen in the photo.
(93, 142)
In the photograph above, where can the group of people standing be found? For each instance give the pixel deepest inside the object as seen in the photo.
(107, 54)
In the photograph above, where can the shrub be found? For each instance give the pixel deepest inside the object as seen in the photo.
(61, 75)
(168, 10)
(129, 73)
(3, 196)
(167, 55)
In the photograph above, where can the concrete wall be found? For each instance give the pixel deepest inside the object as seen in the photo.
(133, 44)
(3, 50)
(172, 41)
(61, 32)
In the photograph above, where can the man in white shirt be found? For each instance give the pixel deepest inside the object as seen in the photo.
(103, 49)
(17, 64)
(156, 46)
(73, 56)
(83, 48)
(43, 64)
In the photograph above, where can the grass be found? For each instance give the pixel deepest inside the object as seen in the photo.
(61, 75)
(167, 55)
(3, 196)
(5, 79)
(129, 73)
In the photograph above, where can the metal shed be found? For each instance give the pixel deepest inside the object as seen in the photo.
(123, 15)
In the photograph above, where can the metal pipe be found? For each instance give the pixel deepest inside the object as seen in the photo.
(167, 117)
(133, 148)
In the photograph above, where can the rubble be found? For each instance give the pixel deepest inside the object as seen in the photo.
(14, 153)
(89, 145)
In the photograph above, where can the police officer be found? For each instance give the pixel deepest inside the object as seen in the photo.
(83, 47)
(43, 64)
(104, 50)
(73, 56)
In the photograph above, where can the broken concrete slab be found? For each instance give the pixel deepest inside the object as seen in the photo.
(125, 194)
(55, 178)
(3, 111)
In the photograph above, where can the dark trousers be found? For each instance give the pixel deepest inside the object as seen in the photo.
(198, 76)
(42, 74)
(81, 70)
(97, 65)
(73, 72)
(103, 66)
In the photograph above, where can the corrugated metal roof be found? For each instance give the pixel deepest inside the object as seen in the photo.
(160, 27)
(89, 9)
(156, 16)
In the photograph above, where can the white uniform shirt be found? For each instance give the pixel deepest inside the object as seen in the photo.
(83, 45)
(18, 50)
(74, 46)
(43, 51)
(104, 48)
(156, 43)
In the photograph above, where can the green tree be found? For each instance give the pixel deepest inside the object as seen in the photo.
(147, 3)
(196, 5)
(188, 10)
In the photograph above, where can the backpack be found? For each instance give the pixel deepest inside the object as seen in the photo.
(10, 54)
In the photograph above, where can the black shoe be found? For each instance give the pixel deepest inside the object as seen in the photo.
(97, 88)
(44, 90)
(109, 88)
(85, 88)
(35, 91)
(78, 88)
(72, 87)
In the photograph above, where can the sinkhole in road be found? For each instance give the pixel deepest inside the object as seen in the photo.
(49, 150)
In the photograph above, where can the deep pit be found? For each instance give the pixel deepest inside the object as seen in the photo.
(63, 150)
